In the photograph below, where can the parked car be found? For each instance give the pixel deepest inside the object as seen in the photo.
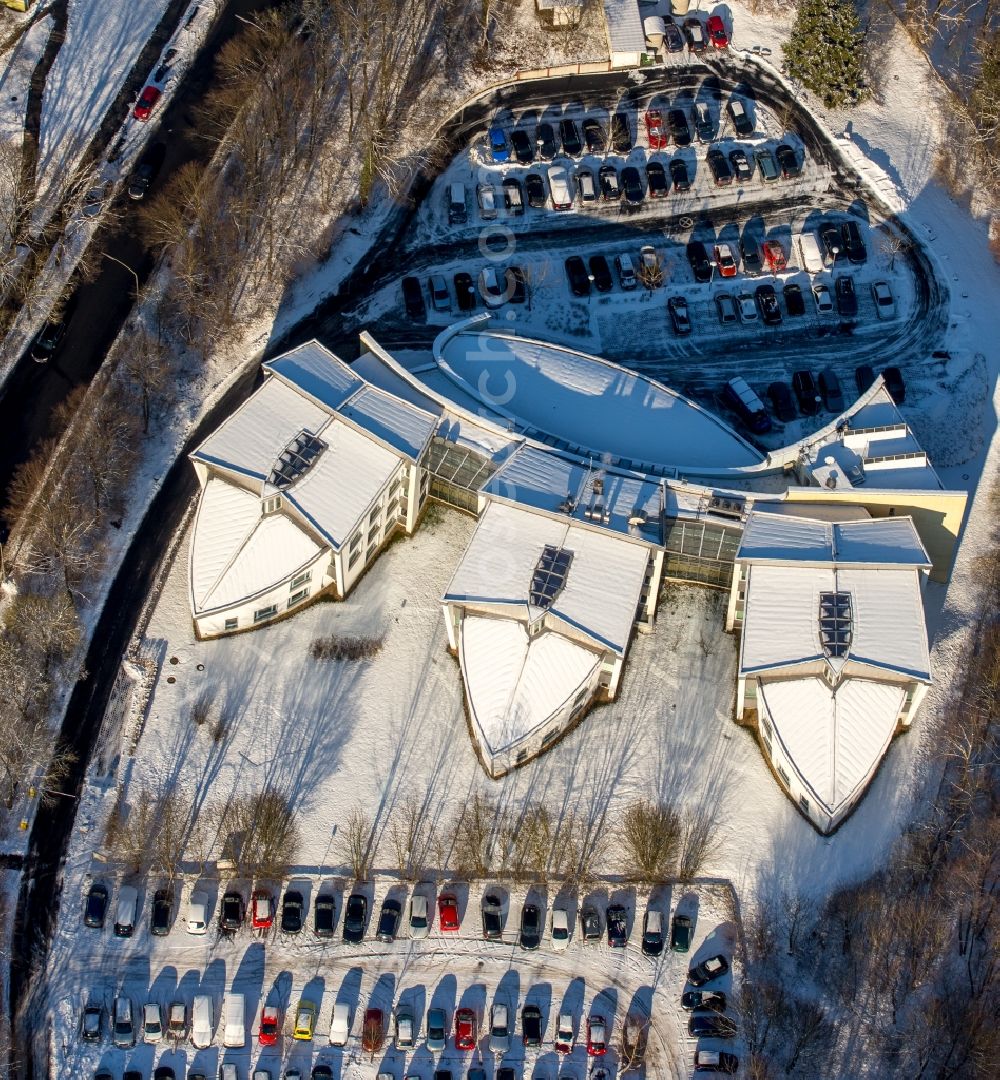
(894, 384)
(677, 121)
(590, 921)
(774, 256)
(704, 999)
(794, 303)
(486, 197)
(829, 236)
(717, 1061)
(261, 910)
(420, 919)
(621, 133)
(767, 301)
(701, 265)
(829, 389)
(742, 124)
(152, 1023)
(270, 1025)
(721, 172)
(231, 913)
(585, 186)
(564, 1034)
(717, 32)
(534, 190)
(847, 299)
(864, 376)
(545, 142)
(92, 1022)
(673, 39)
(437, 1030)
(679, 177)
(405, 1033)
(725, 260)
(597, 1036)
(885, 305)
(531, 926)
(291, 905)
(750, 251)
(806, 392)
(96, 907)
(656, 178)
(448, 912)
(656, 133)
(601, 273)
(652, 933)
(695, 34)
(607, 177)
(680, 317)
(649, 267)
(305, 1020)
(531, 1025)
(513, 196)
(576, 272)
(766, 165)
(562, 195)
(123, 1023)
(159, 921)
(146, 172)
(466, 1036)
(788, 161)
(743, 400)
(627, 280)
(522, 145)
(854, 246)
(680, 933)
(570, 135)
(325, 913)
(632, 185)
(746, 307)
(824, 302)
(617, 926)
(726, 307)
(499, 146)
(492, 915)
(355, 917)
(388, 919)
(782, 402)
(147, 103)
(499, 1029)
(413, 298)
(711, 1025)
(714, 967)
(593, 135)
(47, 340)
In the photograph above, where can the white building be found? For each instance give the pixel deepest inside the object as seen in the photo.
(834, 658)
(301, 487)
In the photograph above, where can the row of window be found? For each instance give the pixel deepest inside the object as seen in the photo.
(766, 734)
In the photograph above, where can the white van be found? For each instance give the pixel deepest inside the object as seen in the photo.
(201, 1022)
(340, 1025)
(234, 1030)
(125, 912)
(457, 212)
(197, 913)
(809, 252)
(562, 197)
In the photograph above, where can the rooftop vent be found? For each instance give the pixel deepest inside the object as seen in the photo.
(295, 460)
(727, 505)
(835, 622)
(550, 575)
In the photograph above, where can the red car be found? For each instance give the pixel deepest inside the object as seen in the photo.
(774, 256)
(373, 1031)
(717, 32)
(270, 1025)
(263, 910)
(447, 912)
(655, 131)
(725, 260)
(597, 1036)
(465, 1030)
(146, 103)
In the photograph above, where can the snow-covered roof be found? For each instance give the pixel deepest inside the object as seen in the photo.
(236, 553)
(514, 683)
(781, 619)
(403, 426)
(624, 25)
(888, 541)
(317, 372)
(601, 593)
(832, 737)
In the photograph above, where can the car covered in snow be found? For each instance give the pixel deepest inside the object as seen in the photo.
(564, 1034)
(499, 1029)
(695, 34)
(738, 395)
(885, 305)
(486, 196)
(704, 999)
(560, 916)
(419, 916)
(740, 117)
(713, 967)
(715, 1061)
(821, 295)
(725, 305)
(405, 1034)
(740, 164)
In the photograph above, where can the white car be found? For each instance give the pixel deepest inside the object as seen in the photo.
(340, 1025)
(746, 307)
(490, 288)
(201, 1022)
(564, 1034)
(499, 1030)
(197, 913)
(560, 929)
(405, 1038)
(419, 917)
(824, 301)
(885, 305)
(487, 196)
(152, 1023)
(440, 298)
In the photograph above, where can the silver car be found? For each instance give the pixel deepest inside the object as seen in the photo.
(123, 1024)
(419, 916)
(499, 1030)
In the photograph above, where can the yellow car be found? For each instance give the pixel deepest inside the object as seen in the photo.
(305, 1020)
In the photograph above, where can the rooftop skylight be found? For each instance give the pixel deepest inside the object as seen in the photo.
(550, 575)
(835, 622)
(295, 460)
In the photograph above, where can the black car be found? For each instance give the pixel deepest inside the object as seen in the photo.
(516, 284)
(608, 179)
(147, 171)
(740, 165)
(576, 271)
(829, 388)
(163, 1072)
(621, 133)
(231, 913)
(590, 924)
(680, 318)
(531, 925)
(159, 923)
(324, 910)
(739, 396)
(492, 917)
(694, 32)
(601, 273)
(750, 250)
(617, 926)
(413, 297)
(854, 246)
(513, 195)
(47, 341)
(864, 376)
(680, 933)
(673, 39)
(794, 302)
(701, 265)
(767, 301)
(320, 1072)
(677, 121)
(531, 1025)
(894, 384)
(788, 161)
(465, 291)
(781, 401)
(355, 917)
(656, 177)
(534, 189)
(570, 135)
(291, 912)
(679, 174)
(847, 298)
(715, 1061)
(652, 933)
(545, 142)
(593, 136)
(523, 147)
(388, 920)
(704, 999)
(829, 237)
(721, 171)
(632, 185)
(806, 392)
(711, 1025)
(92, 1023)
(714, 967)
(740, 117)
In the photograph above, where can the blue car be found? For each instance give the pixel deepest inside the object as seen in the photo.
(499, 146)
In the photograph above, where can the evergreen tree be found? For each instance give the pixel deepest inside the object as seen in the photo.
(825, 52)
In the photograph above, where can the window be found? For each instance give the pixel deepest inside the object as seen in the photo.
(272, 504)
(392, 509)
(549, 736)
(373, 534)
(765, 729)
(521, 755)
(355, 540)
(370, 553)
(301, 579)
(835, 622)
(549, 576)
(265, 613)
(296, 459)
(804, 805)
(232, 624)
(375, 514)
(785, 779)
(296, 598)
(355, 555)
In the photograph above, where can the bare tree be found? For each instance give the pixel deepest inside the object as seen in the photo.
(651, 835)
(357, 842)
